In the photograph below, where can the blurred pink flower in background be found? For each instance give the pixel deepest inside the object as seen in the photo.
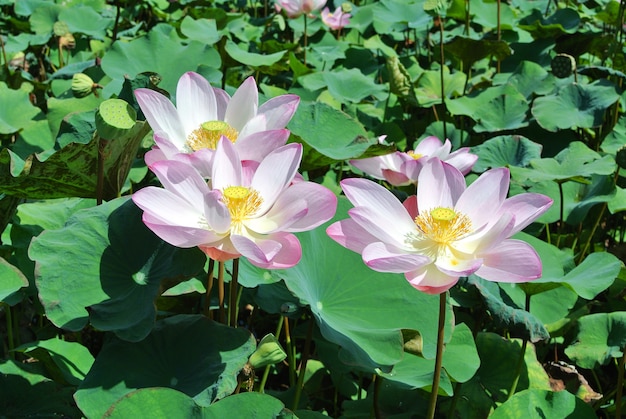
(447, 231)
(335, 20)
(400, 168)
(233, 216)
(295, 8)
(203, 114)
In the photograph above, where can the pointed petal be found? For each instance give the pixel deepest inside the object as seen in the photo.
(387, 229)
(258, 145)
(350, 235)
(195, 101)
(226, 166)
(161, 115)
(277, 251)
(382, 257)
(275, 172)
(182, 180)
(411, 206)
(439, 185)
(462, 159)
(279, 218)
(279, 110)
(171, 218)
(320, 202)
(526, 208)
(488, 236)
(222, 99)
(511, 261)
(216, 213)
(483, 197)
(432, 147)
(243, 105)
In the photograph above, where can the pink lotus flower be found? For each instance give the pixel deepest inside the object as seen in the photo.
(233, 216)
(190, 131)
(457, 231)
(295, 8)
(400, 168)
(335, 20)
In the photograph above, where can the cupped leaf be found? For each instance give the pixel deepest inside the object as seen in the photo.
(563, 21)
(370, 330)
(65, 361)
(250, 58)
(336, 136)
(188, 353)
(471, 50)
(17, 116)
(106, 260)
(72, 170)
(159, 52)
(572, 163)
(505, 112)
(533, 403)
(505, 150)
(202, 30)
(584, 106)
(352, 85)
(12, 279)
(428, 91)
(601, 336)
(506, 313)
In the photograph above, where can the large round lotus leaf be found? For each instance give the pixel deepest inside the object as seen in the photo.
(584, 105)
(362, 310)
(188, 353)
(505, 150)
(601, 336)
(352, 85)
(534, 403)
(160, 52)
(161, 402)
(106, 259)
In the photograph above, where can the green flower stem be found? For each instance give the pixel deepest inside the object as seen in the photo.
(561, 214)
(303, 362)
(266, 373)
(305, 37)
(220, 292)
(522, 354)
(209, 287)
(432, 404)
(378, 382)
(9, 320)
(233, 291)
(100, 180)
(443, 89)
(290, 357)
(620, 385)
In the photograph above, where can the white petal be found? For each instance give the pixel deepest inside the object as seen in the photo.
(195, 101)
(243, 105)
(275, 172)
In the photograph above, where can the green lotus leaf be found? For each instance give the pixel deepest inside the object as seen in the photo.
(106, 260)
(17, 116)
(584, 105)
(601, 337)
(161, 52)
(65, 361)
(213, 355)
(11, 279)
(504, 151)
(543, 403)
(563, 21)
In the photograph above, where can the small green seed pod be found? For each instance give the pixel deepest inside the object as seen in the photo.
(115, 118)
(82, 85)
(269, 352)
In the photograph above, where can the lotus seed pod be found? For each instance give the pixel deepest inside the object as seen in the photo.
(115, 118)
(60, 28)
(82, 85)
(346, 7)
(563, 65)
(269, 352)
(620, 157)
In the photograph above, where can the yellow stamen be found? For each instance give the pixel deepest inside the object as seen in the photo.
(443, 225)
(415, 155)
(242, 203)
(209, 134)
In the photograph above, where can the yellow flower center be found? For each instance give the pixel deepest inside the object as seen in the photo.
(415, 155)
(443, 225)
(209, 134)
(241, 202)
